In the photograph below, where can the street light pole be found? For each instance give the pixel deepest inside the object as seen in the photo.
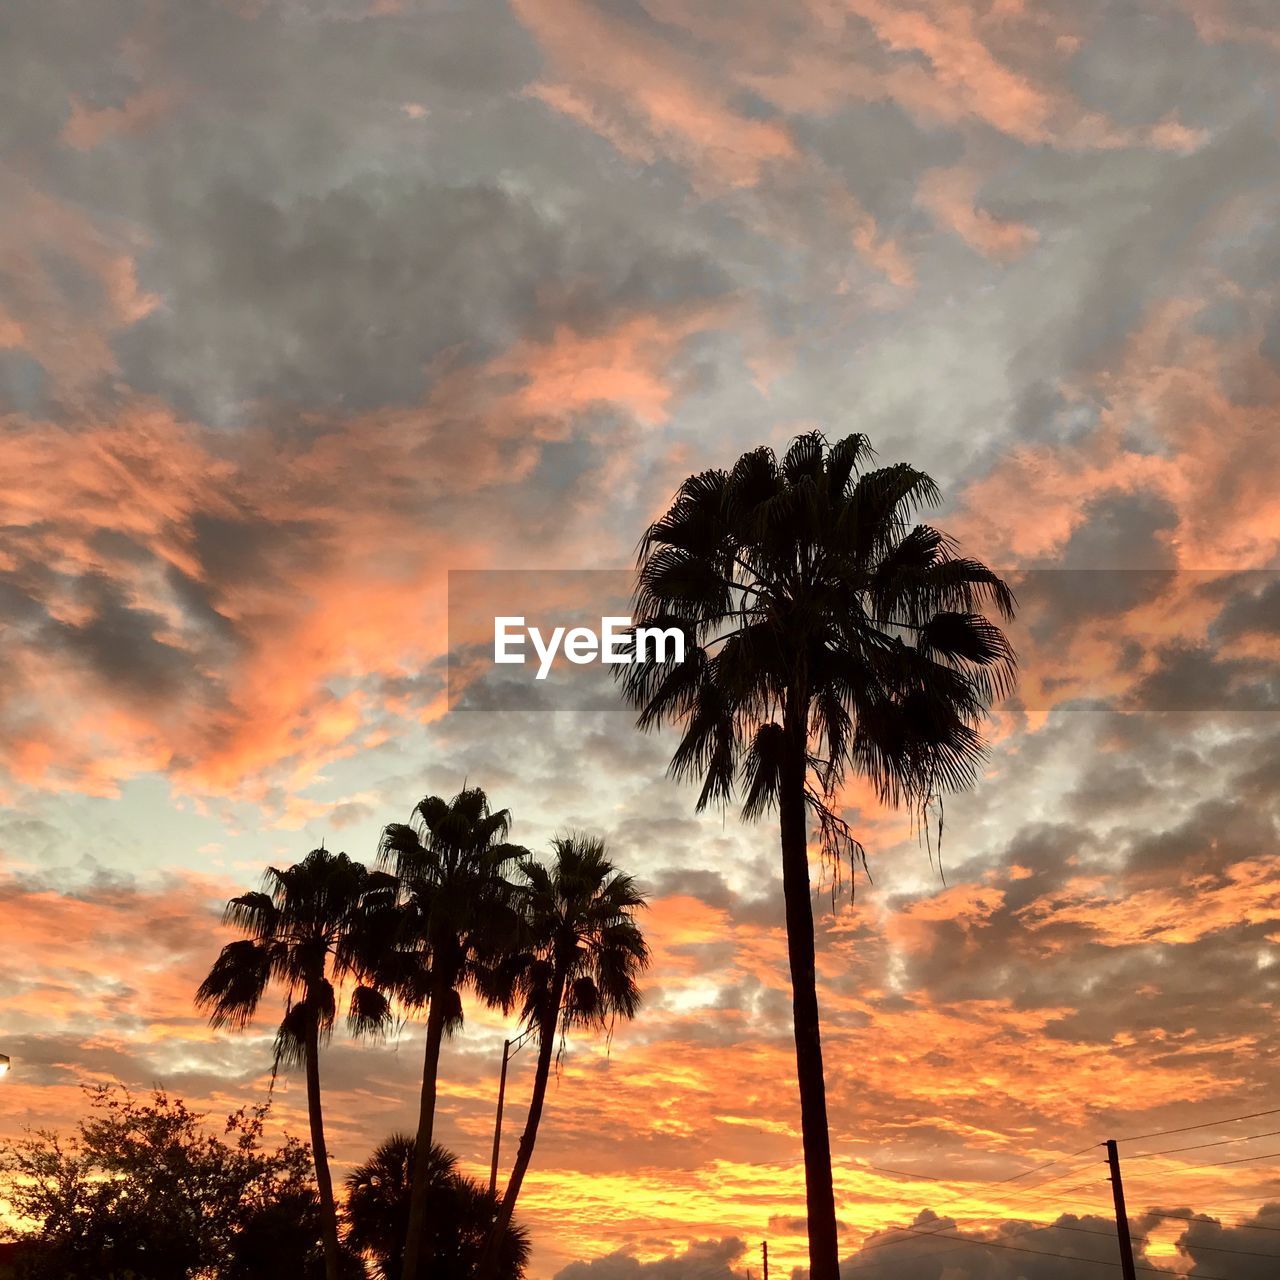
(497, 1124)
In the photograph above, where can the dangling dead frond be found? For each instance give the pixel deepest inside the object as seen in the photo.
(837, 843)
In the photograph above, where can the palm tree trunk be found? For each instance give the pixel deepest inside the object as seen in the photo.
(824, 1262)
(426, 1123)
(488, 1268)
(320, 1153)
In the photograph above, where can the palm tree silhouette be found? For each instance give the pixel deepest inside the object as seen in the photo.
(312, 923)
(460, 1213)
(582, 955)
(826, 634)
(458, 921)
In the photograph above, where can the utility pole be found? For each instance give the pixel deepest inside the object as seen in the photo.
(764, 1247)
(497, 1124)
(1122, 1216)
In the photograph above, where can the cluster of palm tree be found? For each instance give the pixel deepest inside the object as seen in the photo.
(827, 634)
(450, 908)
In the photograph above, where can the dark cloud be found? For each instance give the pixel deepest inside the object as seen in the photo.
(702, 1260)
(122, 643)
(347, 297)
(1195, 678)
(1120, 534)
(1247, 1250)
(1253, 610)
(933, 1248)
(23, 384)
(284, 269)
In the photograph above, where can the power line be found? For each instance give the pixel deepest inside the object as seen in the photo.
(964, 1240)
(998, 1182)
(1209, 1219)
(1208, 1124)
(1251, 1198)
(1089, 1231)
(1221, 1164)
(1013, 1248)
(1056, 1195)
(1035, 1186)
(1200, 1146)
(941, 1227)
(902, 1173)
(939, 1235)
(977, 1186)
(884, 1244)
(1093, 1146)
(1239, 1253)
(1012, 1205)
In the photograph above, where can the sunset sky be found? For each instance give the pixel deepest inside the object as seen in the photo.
(305, 303)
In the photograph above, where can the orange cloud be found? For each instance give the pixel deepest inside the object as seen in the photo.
(70, 339)
(1241, 893)
(668, 101)
(1003, 66)
(652, 100)
(1175, 382)
(949, 195)
(88, 127)
(341, 568)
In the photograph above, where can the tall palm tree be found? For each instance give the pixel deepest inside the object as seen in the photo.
(311, 923)
(827, 634)
(451, 861)
(583, 954)
(460, 1213)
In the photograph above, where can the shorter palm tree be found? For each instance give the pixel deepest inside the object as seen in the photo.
(460, 1213)
(583, 953)
(311, 924)
(456, 926)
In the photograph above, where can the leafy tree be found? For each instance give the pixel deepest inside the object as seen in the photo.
(460, 1213)
(144, 1191)
(827, 634)
(282, 1239)
(313, 922)
(583, 952)
(457, 923)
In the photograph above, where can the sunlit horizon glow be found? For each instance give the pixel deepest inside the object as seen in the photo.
(303, 306)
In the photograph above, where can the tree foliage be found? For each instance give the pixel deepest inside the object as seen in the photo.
(459, 1215)
(457, 910)
(814, 607)
(313, 922)
(144, 1190)
(580, 937)
(578, 965)
(827, 635)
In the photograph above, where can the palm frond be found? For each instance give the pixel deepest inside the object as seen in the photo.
(369, 1013)
(235, 984)
(810, 577)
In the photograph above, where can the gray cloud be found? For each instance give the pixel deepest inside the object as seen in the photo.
(702, 1260)
(910, 1253)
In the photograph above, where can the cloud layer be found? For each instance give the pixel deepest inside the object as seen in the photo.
(304, 305)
